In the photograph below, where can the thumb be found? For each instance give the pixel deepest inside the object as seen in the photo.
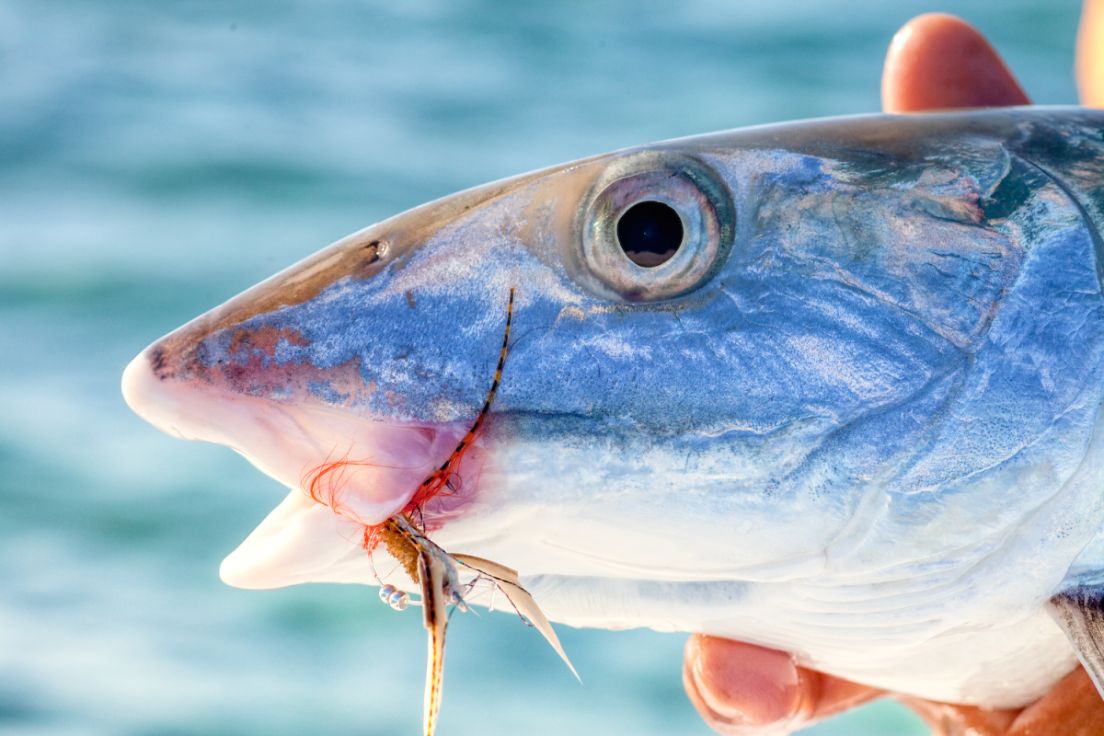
(1090, 54)
(746, 690)
(937, 61)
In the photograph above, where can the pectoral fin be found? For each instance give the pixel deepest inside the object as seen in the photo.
(1080, 614)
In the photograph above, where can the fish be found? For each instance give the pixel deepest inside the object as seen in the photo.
(831, 386)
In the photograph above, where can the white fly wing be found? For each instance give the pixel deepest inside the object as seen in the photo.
(507, 580)
(487, 567)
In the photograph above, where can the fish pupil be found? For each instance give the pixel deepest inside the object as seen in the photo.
(649, 232)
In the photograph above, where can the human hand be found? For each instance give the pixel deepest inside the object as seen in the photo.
(935, 61)
(746, 690)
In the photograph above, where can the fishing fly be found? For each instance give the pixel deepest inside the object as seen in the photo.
(436, 572)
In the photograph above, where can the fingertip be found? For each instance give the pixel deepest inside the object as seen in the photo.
(740, 688)
(939, 61)
(1090, 54)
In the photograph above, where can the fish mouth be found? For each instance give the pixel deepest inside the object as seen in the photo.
(345, 472)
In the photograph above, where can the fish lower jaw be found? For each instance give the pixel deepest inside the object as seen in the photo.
(345, 471)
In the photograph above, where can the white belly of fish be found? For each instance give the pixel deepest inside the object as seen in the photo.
(943, 607)
(938, 607)
(991, 664)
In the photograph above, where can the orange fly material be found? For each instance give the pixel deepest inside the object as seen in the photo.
(324, 482)
(372, 536)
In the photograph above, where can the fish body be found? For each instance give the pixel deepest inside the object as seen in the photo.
(850, 409)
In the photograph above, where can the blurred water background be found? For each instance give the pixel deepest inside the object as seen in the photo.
(158, 157)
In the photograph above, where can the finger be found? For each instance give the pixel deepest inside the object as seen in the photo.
(1090, 54)
(743, 689)
(938, 61)
(963, 720)
(1072, 708)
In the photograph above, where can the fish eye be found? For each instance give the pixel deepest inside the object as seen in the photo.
(649, 232)
(656, 225)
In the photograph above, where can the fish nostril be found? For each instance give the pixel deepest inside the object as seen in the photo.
(375, 250)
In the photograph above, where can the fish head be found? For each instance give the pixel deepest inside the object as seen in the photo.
(718, 347)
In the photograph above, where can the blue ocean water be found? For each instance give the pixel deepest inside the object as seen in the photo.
(158, 157)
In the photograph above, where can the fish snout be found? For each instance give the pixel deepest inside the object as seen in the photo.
(246, 349)
(149, 391)
(346, 472)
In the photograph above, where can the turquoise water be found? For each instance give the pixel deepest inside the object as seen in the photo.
(158, 157)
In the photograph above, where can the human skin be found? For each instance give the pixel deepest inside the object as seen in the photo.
(1090, 54)
(935, 61)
